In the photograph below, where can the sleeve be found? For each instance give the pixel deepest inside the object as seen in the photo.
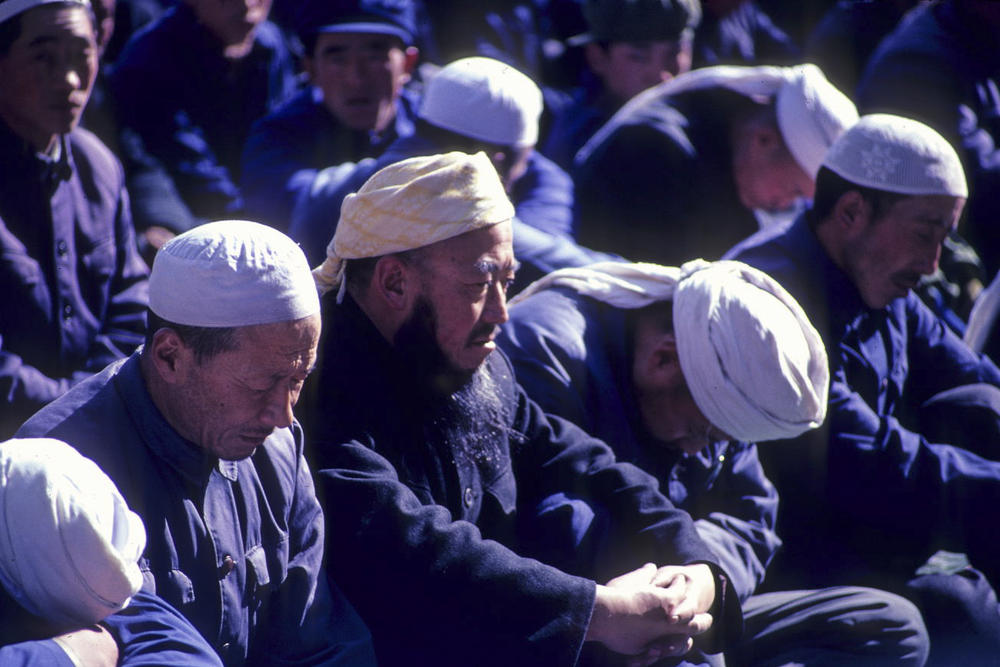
(543, 197)
(23, 390)
(30, 654)
(151, 632)
(434, 587)
(737, 518)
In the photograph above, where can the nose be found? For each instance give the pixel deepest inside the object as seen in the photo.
(931, 260)
(495, 311)
(277, 411)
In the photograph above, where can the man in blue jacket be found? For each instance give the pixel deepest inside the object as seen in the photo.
(910, 464)
(73, 284)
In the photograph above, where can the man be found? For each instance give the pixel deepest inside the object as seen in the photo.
(359, 56)
(438, 464)
(680, 370)
(186, 111)
(685, 165)
(197, 431)
(910, 463)
(629, 47)
(73, 284)
(470, 105)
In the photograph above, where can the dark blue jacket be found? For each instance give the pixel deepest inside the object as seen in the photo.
(288, 148)
(571, 355)
(900, 494)
(73, 286)
(193, 109)
(441, 535)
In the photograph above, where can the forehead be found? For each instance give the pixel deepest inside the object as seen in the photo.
(493, 243)
(347, 40)
(937, 210)
(55, 22)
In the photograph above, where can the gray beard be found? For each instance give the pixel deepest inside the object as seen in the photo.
(474, 422)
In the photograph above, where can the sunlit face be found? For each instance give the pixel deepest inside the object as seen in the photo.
(47, 74)
(465, 281)
(234, 400)
(886, 257)
(767, 176)
(628, 68)
(233, 22)
(361, 76)
(511, 164)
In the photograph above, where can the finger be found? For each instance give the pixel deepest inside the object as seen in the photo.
(635, 578)
(667, 646)
(698, 624)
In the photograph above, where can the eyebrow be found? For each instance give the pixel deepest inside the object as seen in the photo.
(487, 266)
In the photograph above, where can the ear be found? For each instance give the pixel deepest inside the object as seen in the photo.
(309, 67)
(659, 364)
(852, 212)
(597, 58)
(393, 283)
(412, 55)
(170, 356)
(765, 138)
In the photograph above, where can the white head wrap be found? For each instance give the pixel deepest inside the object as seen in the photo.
(484, 99)
(897, 154)
(11, 8)
(69, 545)
(231, 273)
(412, 204)
(811, 112)
(755, 366)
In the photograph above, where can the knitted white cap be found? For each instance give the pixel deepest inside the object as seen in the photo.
(231, 273)
(69, 545)
(484, 99)
(12, 8)
(897, 154)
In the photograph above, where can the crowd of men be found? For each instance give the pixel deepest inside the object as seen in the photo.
(419, 332)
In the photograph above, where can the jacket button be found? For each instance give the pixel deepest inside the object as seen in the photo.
(469, 496)
(61, 248)
(228, 565)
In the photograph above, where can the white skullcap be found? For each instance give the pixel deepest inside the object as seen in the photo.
(755, 366)
(11, 8)
(484, 99)
(897, 154)
(69, 545)
(811, 113)
(231, 273)
(414, 203)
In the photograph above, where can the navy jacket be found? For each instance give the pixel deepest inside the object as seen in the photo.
(571, 356)
(193, 109)
(431, 543)
(74, 287)
(901, 494)
(236, 546)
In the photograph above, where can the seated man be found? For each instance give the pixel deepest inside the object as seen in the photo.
(470, 105)
(73, 284)
(679, 172)
(673, 368)
(434, 464)
(910, 464)
(359, 56)
(197, 431)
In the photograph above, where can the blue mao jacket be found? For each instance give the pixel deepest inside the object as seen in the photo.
(73, 285)
(236, 546)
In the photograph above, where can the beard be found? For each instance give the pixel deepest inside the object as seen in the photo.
(463, 407)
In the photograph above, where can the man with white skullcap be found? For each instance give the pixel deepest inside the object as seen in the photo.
(433, 462)
(681, 370)
(73, 283)
(471, 105)
(679, 172)
(910, 464)
(197, 431)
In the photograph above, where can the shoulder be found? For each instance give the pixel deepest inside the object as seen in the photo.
(87, 148)
(553, 316)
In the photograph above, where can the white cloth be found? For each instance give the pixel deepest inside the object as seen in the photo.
(897, 154)
(231, 273)
(69, 545)
(811, 113)
(411, 204)
(11, 8)
(484, 99)
(755, 366)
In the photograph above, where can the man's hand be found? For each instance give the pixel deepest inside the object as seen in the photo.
(693, 584)
(90, 647)
(634, 616)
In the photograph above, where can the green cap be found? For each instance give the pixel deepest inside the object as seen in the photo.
(637, 20)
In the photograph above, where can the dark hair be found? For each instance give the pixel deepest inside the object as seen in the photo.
(10, 29)
(830, 187)
(206, 342)
(659, 313)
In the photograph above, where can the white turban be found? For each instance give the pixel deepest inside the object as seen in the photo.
(811, 112)
(484, 99)
(755, 366)
(414, 203)
(69, 545)
(897, 154)
(12, 8)
(231, 273)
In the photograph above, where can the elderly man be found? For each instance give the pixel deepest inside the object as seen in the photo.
(197, 432)
(679, 172)
(73, 284)
(680, 370)
(434, 464)
(359, 56)
(910, 464)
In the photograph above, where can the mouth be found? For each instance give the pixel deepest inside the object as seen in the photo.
(906, 281)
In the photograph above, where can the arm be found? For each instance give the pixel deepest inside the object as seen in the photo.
(151, 632)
